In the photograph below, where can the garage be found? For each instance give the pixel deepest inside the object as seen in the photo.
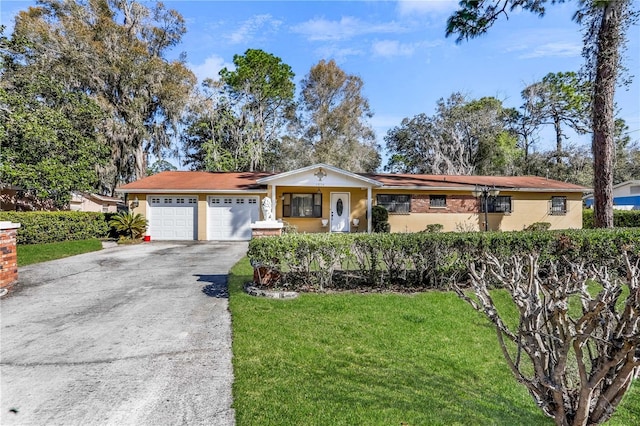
(230, 217)
(173, 217)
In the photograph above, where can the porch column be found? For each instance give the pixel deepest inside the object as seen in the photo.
(369, 218)
(273, 201)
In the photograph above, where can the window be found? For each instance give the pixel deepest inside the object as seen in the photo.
(155, 200)
(558, 206)
(499, 204)
(394, 203)
(193, 201)
(168, 200)
(302, 205)
(437, 201)
(253, 201)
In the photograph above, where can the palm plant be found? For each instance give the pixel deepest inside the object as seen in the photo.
(129, 225)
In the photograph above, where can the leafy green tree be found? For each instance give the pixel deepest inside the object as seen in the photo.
(130, 225)
(160, 166)
(560, 99)
(49, 145)
(213, 139)
(627, 155)
(463, 137)
(605, 23)
(334, 115)
(260, 92)
(113, 51)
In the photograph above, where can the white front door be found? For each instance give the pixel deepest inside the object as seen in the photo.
(340, 212)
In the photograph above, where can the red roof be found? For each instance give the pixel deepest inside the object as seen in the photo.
(197, 181)
(243, 181)
(453, 181)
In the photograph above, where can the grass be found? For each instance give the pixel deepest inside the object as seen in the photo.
(374, 359)
(35, 253)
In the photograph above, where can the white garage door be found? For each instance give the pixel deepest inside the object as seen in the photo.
(173, 217)
(230, 217)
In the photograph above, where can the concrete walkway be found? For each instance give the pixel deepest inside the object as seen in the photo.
(131, 335)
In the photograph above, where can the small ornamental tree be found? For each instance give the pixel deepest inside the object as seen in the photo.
(129, 225)
(576, 345)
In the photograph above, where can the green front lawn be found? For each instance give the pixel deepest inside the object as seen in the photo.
(374, 359)
(35, 253)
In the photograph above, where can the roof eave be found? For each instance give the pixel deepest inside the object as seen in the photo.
(269, 179)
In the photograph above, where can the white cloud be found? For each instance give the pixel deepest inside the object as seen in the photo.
(389, 48)
(422, 7)
(340, 54)
(556, 49)
(320, 29)
(251, 26)
(210, 68)
(547, 43)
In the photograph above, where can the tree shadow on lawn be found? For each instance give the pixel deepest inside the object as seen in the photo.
(218, 285)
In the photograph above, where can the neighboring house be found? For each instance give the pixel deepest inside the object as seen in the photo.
(85, 202)
(182, 205)
(626, 196)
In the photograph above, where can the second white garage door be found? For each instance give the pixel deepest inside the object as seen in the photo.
(172, 217)
(230, 217)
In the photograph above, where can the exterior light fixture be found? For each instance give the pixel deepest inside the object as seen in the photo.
(484, 192)
(135, 203)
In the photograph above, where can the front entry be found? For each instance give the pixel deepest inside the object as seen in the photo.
(340, 212)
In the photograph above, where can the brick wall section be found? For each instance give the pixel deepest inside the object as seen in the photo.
(259, 233)
(8, 258)
(455, 204)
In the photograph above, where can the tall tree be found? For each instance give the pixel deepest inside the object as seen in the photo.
(463, 137)
(213, 138)
(49, 145)
(261, 90)
(605, 24)
(560, 99)
(627, 155)
(334, 115)
(113, 50)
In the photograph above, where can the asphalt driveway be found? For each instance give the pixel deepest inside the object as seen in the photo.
(131, 335)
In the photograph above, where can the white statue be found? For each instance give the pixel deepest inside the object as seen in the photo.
(267, 213)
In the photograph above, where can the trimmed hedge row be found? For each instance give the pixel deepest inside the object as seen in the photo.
(421, 260)
(50, 227)
(621, 218)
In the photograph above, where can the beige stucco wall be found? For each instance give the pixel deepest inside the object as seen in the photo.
(357, 207)
(528, 208)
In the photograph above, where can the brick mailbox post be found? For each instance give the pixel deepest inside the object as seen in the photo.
(8, 256)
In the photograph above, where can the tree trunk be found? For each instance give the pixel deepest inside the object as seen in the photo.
(558, 129)
(608, 43)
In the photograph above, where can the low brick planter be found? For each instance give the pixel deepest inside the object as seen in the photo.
(8, 256)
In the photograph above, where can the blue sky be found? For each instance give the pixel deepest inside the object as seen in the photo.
(398, 48)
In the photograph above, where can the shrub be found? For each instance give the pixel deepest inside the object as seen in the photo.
(434, 227)
(380, 219)
(621, 219)
(538, 226)
(129, 225)
(50, 227)
(423, 260)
